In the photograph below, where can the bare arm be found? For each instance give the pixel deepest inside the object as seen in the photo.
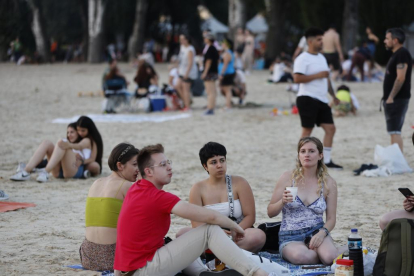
(226, 60)
(245, 194)
(332, 93)
(276, 202)
(300, 78)
(197, 213)
(331, 205)
(399, 82)
(190, 63)
(206, 68)
(92, 158)
(195, 198)
(297, 52)
(338, 48)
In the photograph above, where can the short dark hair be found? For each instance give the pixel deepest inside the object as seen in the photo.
(144, 157)
(343, 87)
(398, 34)
(122, 153)
(211, 149)
(312, 32)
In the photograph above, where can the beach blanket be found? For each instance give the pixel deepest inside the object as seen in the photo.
(79, 266)
(126, 118)
(11, 206)
(296, 270)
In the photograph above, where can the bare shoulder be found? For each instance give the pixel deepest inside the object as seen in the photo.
(332, 186)
(286, 177)
(239, 181)
(198, 186)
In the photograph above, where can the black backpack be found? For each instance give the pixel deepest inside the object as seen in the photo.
(271, 230)
(396, 252)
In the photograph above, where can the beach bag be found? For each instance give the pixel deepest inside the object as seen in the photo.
(392, 158)
(396, 255)
(271, 230)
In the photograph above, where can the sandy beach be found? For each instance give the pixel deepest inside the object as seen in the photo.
(44, 239)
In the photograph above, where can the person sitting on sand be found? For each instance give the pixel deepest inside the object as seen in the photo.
(62, 159)
(408, 212)
(146, 78)
(145, 219)
(103, 206)
(232, 196)
(304, 236)
(69, 167)
(346, 103)
(115, 85)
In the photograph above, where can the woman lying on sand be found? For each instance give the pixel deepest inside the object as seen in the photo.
(304, 237)
(73, 157)
(103, 205)
(219, 189)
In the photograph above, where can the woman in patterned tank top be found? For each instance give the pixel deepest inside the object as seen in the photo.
(304, 236)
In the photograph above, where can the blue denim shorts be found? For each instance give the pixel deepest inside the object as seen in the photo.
(79, 173)
(286, 237)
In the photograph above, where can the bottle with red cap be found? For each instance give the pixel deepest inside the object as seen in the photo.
(344, 267)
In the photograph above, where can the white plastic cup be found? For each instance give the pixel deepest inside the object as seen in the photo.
(293, 191)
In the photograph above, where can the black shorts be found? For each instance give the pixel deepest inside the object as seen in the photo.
(227, 80)
(395, 115)
(187, 80)
(333, 59)
(313, 111)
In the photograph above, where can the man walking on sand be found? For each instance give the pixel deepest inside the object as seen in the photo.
(332, 51)
(397, 84)
(311, 71)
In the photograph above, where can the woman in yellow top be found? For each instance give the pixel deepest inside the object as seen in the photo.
(346, 103)
(103, 205)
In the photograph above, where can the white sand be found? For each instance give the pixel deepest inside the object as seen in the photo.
(41, 240)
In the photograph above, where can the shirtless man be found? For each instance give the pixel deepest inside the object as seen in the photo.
(332, 51)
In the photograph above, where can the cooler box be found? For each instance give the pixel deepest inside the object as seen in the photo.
(158, 102)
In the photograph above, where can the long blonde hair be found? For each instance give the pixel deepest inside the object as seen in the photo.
(321, 171)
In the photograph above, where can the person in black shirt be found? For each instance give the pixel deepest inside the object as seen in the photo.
(397, 84)
(210, 73)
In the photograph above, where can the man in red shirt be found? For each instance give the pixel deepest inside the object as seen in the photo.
(145, 220)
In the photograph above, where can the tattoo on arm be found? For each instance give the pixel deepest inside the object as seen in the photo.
(401, 66)
(396, 88)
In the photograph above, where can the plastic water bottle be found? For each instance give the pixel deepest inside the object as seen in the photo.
(355, 252)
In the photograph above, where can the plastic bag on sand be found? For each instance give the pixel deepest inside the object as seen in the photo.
(369, 260)
(392, 158)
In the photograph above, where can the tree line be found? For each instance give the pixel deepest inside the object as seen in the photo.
(98, 22)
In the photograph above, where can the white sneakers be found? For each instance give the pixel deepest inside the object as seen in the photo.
(86, 174)
(43, 176)
(20, 176)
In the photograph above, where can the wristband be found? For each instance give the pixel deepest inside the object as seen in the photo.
(326, 231)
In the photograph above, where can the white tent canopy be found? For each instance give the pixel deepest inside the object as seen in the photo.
(215, 26)
(257, 24)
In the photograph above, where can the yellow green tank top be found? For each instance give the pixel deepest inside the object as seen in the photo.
(344, 96)
(103, 211)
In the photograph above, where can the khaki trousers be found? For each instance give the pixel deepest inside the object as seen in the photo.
(182, 254)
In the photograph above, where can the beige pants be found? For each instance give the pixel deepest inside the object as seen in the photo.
(182, 254)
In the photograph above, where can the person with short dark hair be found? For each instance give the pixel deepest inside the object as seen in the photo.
(103, 206)
(145, 219)
(240, 204)
(397, 84)
(311, 71)
(332, 51)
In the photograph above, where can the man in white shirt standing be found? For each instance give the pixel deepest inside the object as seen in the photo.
(311, 71)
